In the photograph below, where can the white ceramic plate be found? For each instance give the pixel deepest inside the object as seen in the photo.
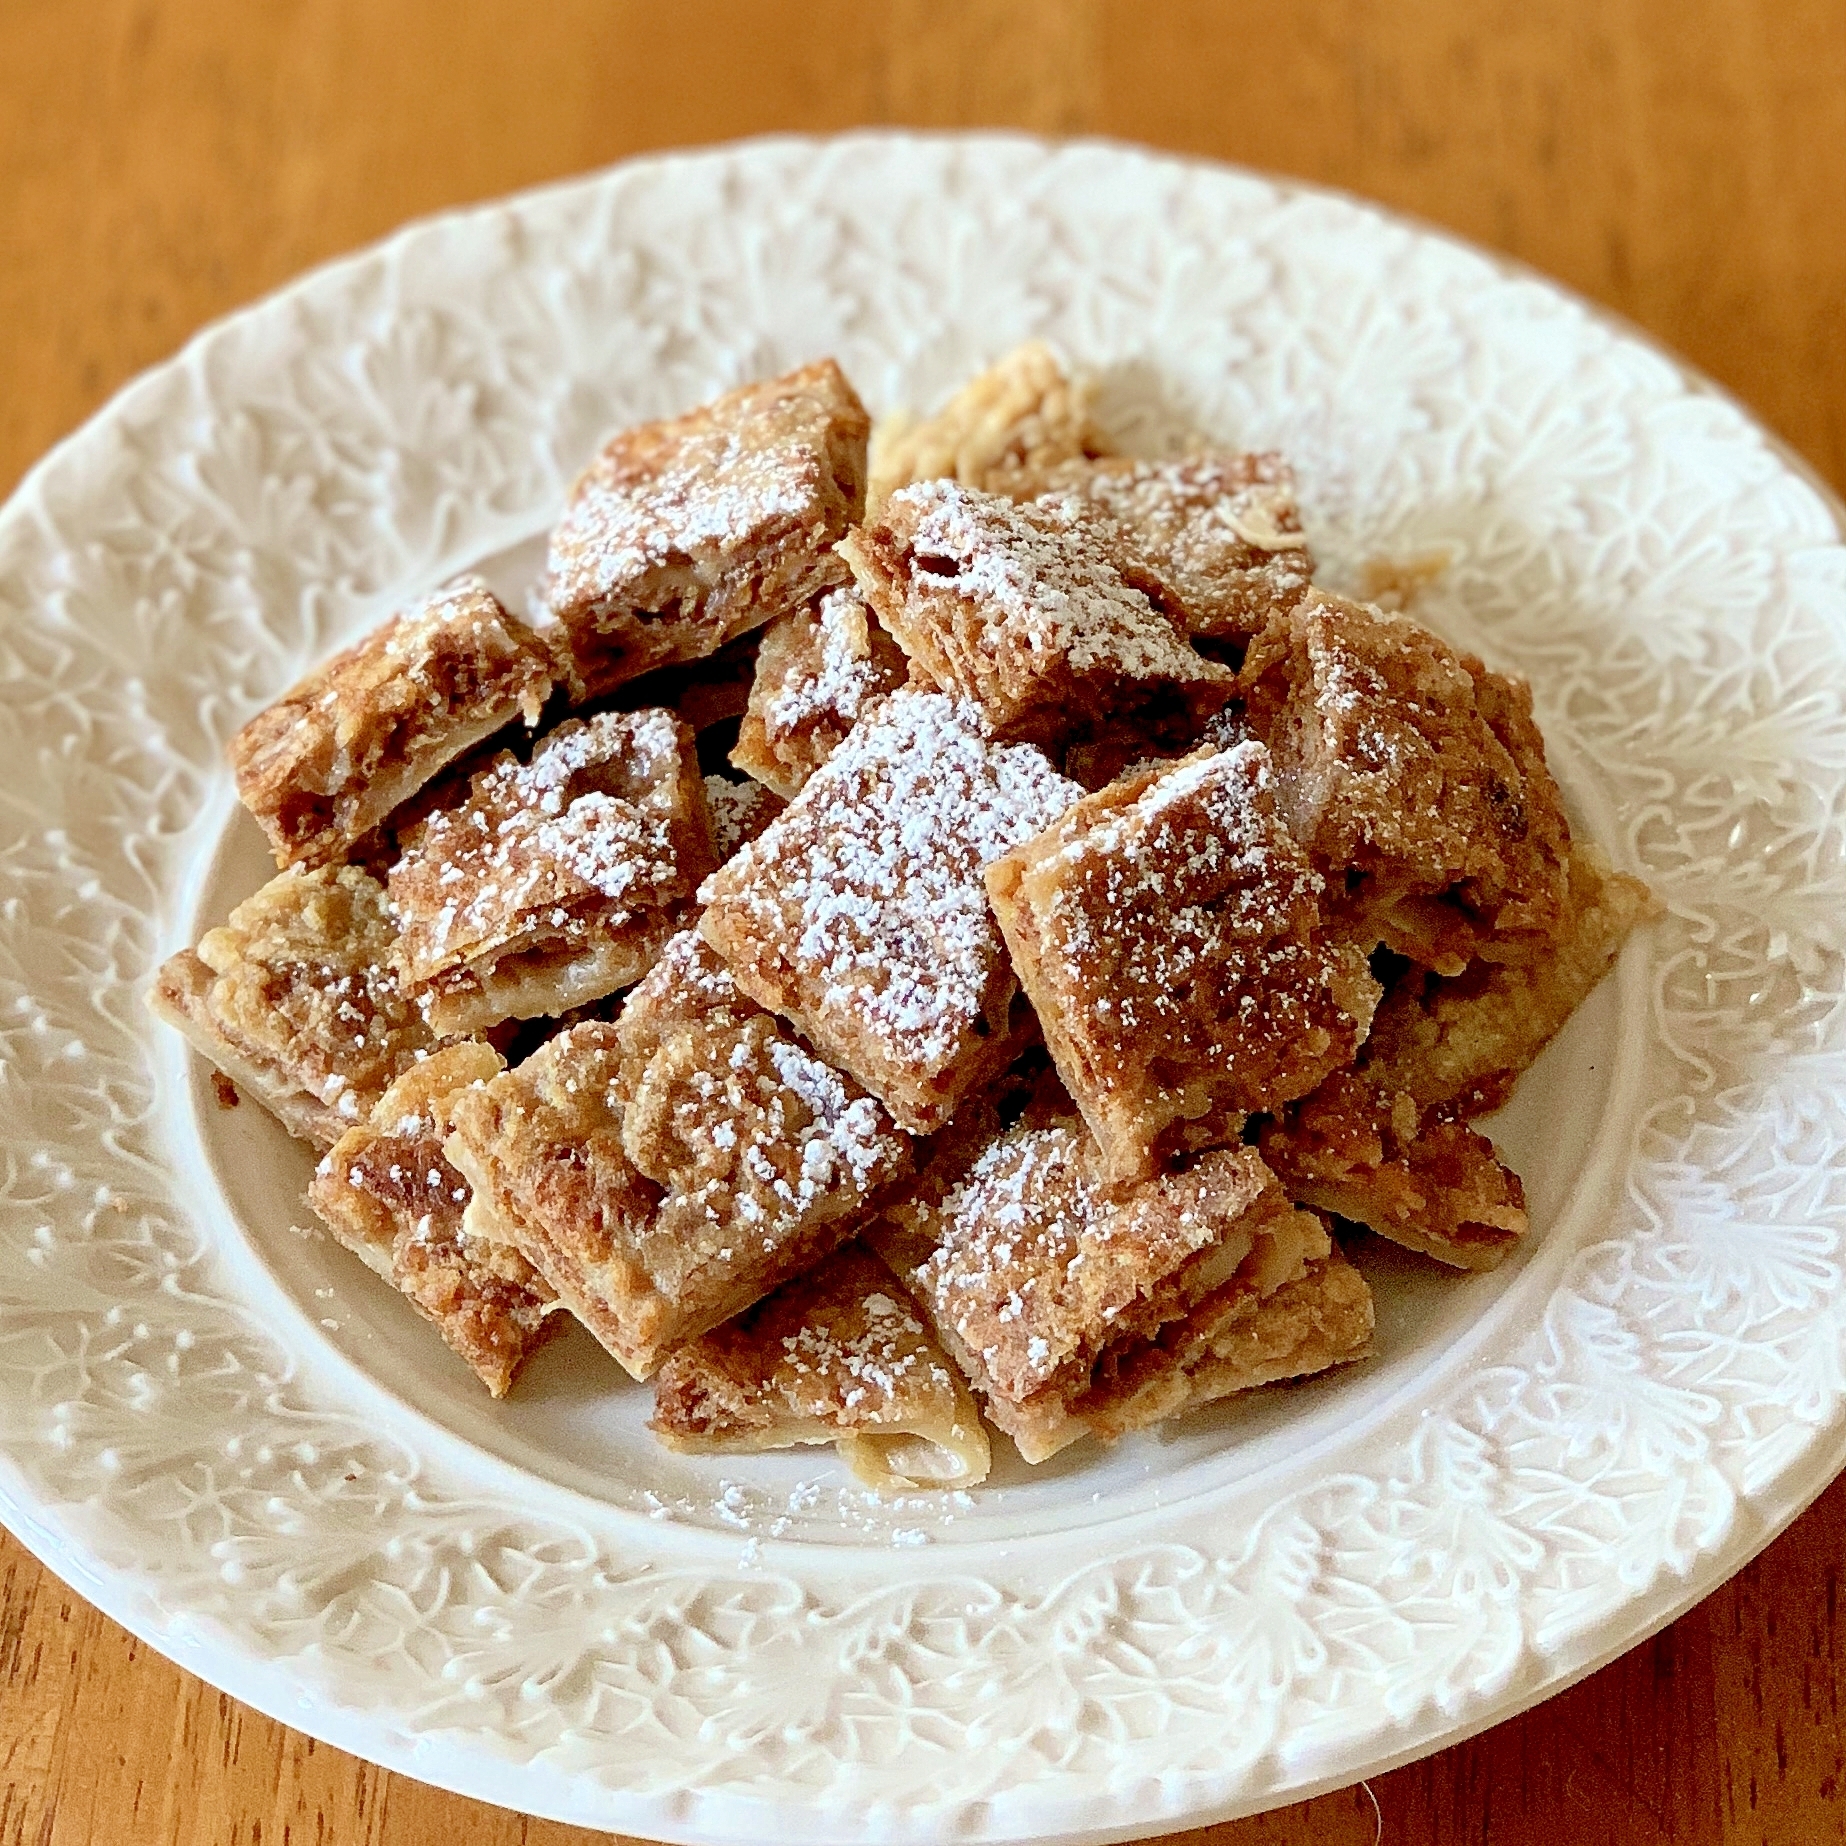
(234, 1441)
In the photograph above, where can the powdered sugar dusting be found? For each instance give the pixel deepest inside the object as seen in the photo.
(754, 467)
(847, 1137)
(1150, 896)
(873, 1365)
(746, 1128)
(1021, 605)
(714, 488)
(843, 679)
(1039, 1264)
(867, 892)
(1170, 934)
(1223, 530)
(575, 842)
(739, 812)
(329, 760)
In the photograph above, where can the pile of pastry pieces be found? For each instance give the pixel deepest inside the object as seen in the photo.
(1105, 925)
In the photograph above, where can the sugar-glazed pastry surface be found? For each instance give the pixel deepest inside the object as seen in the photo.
(1415, 775)
(1077, 1306)
(664, 1172)
(1171, 935)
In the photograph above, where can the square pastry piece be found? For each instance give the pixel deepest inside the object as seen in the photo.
(684, 534)
(556, 881)
(838, 1355)
(817, 671)
(859, 913)
(1222, 530)
(330, 759)
(664, 1172)
(1005, 431)
(1038, 613)
(1416, 776)
(389, 1194)
(294, 1000)
(1169, 933)
(1077, 1306)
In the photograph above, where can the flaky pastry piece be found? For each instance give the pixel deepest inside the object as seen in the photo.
(859, 912)
(555, 881)
(331, 758)
(838, 1355)
(684, 534)
(818, 669)
(1005, 431)
(1170, 936)
(1420, 1177)
(294, 1000)
(1223, 530)
(664, 1172)
(1462, 1043)
(740, 810)
(389, 1194)
(1075, 1305)
(1415, 775)
(1037, 612)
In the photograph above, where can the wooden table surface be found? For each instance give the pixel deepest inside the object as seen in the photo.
(1683, 161)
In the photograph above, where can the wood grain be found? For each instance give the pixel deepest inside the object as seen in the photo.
(1682, 161)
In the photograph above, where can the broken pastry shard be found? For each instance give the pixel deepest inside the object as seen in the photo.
(1168, 932)
(332, 758)
(1421, 1178)
(1461, 1044)
(818, 669)
(1416, 774)
(390, 1196)
(838, 1355)
(739, 812)
(665, 1172)
(1036, 612)
(1222, 530)
(556, 881)
(859, 913)
(683, 535)
(1075, 1305)
(294, 1000)
(1005, 431)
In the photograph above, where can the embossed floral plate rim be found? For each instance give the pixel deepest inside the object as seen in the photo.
(239, 1498)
